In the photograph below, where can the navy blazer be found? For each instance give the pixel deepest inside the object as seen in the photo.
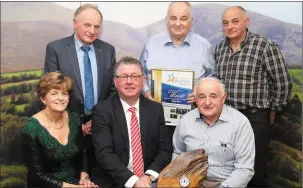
(61, 56)
(111, 141)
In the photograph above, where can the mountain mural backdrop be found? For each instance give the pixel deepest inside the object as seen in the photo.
(26, 28)
(25, 35)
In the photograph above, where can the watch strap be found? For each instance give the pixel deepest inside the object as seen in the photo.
(152, 178)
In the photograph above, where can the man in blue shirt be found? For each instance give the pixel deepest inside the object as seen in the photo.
(223, 132)
(178, 48)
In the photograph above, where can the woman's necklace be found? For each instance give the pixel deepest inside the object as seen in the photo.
(57, 128)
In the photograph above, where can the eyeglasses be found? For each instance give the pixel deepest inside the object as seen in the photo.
(124, 78)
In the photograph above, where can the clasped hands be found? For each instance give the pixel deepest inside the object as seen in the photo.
(87, 183)
(144, 181)
(86, 128)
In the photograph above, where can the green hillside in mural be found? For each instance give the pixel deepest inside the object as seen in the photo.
(21, 71)
(13, 176)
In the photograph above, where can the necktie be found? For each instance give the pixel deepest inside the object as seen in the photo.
(88, 81)
(138, 164)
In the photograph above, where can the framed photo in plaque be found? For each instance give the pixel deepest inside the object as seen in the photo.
(170, 88)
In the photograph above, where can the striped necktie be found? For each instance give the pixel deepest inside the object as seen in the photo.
(138, 165)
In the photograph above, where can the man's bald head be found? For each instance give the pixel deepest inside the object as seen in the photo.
(235, 22)
(179, 20)
(233, 8)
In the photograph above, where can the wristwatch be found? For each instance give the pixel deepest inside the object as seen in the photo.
(152, 178)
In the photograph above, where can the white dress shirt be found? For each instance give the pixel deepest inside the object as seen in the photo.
(132, 180)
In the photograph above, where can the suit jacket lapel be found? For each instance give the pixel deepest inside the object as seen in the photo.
(143, 121)
(100, 64)
(120, 117)
(73, 59)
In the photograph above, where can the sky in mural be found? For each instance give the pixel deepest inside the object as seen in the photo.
(139, 14)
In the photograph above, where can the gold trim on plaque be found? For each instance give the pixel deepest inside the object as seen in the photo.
(157, 79)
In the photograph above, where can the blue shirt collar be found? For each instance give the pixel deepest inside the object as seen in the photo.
(223, 116)
(167, 39)
(79, 44)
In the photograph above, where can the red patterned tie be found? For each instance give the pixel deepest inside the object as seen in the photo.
(136, 144)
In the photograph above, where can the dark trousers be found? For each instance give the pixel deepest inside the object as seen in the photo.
(90, 154)
(260, 122)
(89, 145)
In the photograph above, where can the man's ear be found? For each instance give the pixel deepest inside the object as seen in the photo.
(224, 97)
(74, 23)
(144, 81)
(246, 21)
(115, 81)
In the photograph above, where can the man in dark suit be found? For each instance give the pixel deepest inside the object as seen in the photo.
(91, 70)
(65, 55)
(129, 133)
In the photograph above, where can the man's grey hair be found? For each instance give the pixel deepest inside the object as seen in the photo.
(221, 85)
(241, 8)
(128, 60)
(185, 2)
(85, 7)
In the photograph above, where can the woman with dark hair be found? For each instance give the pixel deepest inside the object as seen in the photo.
(53, 141)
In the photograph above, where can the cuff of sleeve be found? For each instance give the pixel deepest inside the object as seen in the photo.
(131, 181)
(153, 173)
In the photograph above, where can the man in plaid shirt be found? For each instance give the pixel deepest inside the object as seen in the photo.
(256, 79)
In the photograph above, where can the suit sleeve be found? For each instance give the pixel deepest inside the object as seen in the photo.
(165, 145)
(51, 63)
(113, 90)
(105, 154)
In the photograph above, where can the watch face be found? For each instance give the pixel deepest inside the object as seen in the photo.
(152, 178)
(184, 181)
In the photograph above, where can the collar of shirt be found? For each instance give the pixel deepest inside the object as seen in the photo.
(223, 116)
(248, 34)
(79, 44)
(127, 106)
(168, 41)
